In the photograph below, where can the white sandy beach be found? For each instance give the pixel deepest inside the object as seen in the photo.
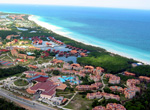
(58, 31)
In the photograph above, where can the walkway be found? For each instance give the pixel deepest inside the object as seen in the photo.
(103, 83)
(71, 98)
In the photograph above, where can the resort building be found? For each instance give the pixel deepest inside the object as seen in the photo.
(24, 56)
(47, 89)
(113, 79)
(76, 67)
(83, 54)
(38, 78)
(128, 73)
(99, 108)
(95, 78)
(116, 88)
(132, 82)
(30, 74)
(114, 106)
(55, 61)
(73, 52)
(33, 48)
(32, 66)
(99, 95)
(129, 93)
(110, 106)
(14, 52)
(89, 67)
(94, 86)
(144, 78)
(111, 96)
(100, 68)
(31, 57)
(96, 95)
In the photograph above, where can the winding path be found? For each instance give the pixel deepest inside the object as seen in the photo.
(103, 83)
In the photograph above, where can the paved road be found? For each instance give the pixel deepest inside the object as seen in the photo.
(31, 104)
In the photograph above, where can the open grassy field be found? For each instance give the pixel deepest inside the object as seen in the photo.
(79, 103)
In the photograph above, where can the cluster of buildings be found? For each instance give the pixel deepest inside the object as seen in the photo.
(76, 69)
(94, 86)
(56, 41)
(15, 52)
(12, 42)
(110, 106)
(16, 17)
(75, 48)
(45, 87)
(99, 95)
(77, 51)
(16, 41)
(37, 40)
(95, 73)
(131, 90)
(113, 79)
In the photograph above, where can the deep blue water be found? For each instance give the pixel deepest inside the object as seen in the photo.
(123, 31)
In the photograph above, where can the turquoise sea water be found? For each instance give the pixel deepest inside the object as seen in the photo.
(123, 31)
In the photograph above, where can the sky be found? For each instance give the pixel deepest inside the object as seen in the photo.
(131, 4)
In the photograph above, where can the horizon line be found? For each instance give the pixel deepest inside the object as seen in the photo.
(75, 6)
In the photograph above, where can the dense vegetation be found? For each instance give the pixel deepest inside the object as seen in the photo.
(5, 105)
(86, 81)
(111, 63)
(6, 72)
(56, 72)
(125, 78)
(139, 103)
(6, 33)
(143, 70)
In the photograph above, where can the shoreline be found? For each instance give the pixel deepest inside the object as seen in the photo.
(55, 30)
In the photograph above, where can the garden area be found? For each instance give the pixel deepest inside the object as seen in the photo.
(21, 82)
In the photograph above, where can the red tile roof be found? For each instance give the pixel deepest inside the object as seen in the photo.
(41, 79)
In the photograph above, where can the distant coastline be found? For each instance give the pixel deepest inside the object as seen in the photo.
(56, 30)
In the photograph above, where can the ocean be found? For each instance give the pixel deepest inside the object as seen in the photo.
(122, 31)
